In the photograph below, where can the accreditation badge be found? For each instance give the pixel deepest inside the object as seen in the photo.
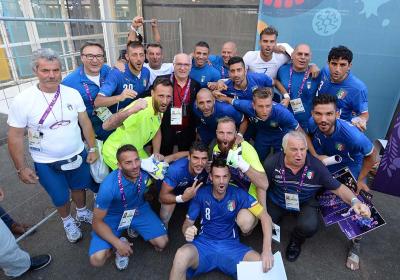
(103, 113)
(35, 138)
(176, 116)
(126, 219)
(292, 201)
(297, 106)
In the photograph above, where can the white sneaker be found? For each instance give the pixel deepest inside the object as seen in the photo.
(85, 216)
(72, 231)
(121, 262)
(132, 233)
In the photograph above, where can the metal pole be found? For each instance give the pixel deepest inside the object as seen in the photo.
(79, 20)
(180, 36)
(36, 226)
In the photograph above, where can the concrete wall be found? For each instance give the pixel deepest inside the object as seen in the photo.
(212, 21)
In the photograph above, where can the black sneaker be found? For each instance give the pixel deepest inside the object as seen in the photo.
(293, 251)
(38, 262)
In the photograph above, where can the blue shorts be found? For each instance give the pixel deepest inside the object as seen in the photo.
(146, 223)
(218, 254)
(57, 183)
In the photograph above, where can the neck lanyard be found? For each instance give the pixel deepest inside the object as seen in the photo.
(222, 72)
(50, 106)
(187, 89)
(87, 91)
(121, 188)
(298, 189)
(305, 77)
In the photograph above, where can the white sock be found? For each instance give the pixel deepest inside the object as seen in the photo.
(67, 219)
(80, 211)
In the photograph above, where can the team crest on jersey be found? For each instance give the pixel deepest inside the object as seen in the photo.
(310, 174)
(339, 146)
(273, 124)
(203, 78)
(202, 120)
(341, 94)
(144, 82)
(231, 205)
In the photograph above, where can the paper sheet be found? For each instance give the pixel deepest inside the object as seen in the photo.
(253, 270)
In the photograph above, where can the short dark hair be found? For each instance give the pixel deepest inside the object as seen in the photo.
(270, 30)
(134, 45)
(262, 93)
(321, 99)
(125, 148)
(90, 44)
(198, 146)
(236, 59)
(340, 52)
(202, 44)
(154, 45)
(162, 81)
(219, 162)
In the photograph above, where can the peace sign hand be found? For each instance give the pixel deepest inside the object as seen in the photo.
(190, 192)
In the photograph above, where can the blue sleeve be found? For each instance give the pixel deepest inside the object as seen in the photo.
(194, 208)
(287, 118)
(364, 100)
(170, 177)
(213, 59)
(243, 106)
(364, 145)
(111, 83)
(105, 195)
(245, 200)
(325, 177)
(266, 81)
(216, 74)
(279, 74)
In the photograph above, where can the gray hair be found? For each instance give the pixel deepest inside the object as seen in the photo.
(295, 134)
(47, 54)
(189, 58)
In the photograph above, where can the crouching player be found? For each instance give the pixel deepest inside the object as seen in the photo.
(120, 205)
(217, 245)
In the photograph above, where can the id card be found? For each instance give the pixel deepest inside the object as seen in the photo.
(292, 201)
(176, 116)
(35, 138)
(297, 105)
(103, 113)
(126, 219)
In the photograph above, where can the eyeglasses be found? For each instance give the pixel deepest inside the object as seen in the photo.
(92, 56)
(180, 65)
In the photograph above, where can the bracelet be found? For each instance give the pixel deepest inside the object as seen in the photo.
(354, 200)
(135, 30)
(239, 134)
(286, 95)
(179, 199)
(92, 149)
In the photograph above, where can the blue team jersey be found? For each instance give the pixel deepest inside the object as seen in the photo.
(179, 177)
(254, 81)
(218, 217)
(316, 176)
(352, 94)
(117, 81)
(204, 75)
(307, 94)
(272, 130)
(208, 125)
(89, 90)
(218, 63)
(346, 141)
(109, 196)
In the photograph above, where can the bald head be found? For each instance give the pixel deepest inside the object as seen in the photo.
(301, 57)
(205, 102)
(228, 50)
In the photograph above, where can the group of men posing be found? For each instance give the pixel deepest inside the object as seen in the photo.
(198, 103)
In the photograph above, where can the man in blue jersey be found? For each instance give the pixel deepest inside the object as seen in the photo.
(220, 62)
(351, 92)
(295, 177)
(87, 79)
(333, 136)
(297, 86)
(121, 88)
(201, 71)
(217, 245)
(268, 120)
(241, 84)
(208, 111)
(120, 205)
(184, 177)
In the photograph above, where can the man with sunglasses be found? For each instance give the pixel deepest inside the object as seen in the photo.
(55, 117)
(87, 79)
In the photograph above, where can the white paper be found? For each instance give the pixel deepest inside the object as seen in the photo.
(253, 270)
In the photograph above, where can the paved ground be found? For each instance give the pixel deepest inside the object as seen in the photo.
(322, 257)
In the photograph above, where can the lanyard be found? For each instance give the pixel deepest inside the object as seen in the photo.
(302, 83)
(121, 188)
(50, 107)
(87, 91)
(187, 89)
(222, 71)
(298, 189)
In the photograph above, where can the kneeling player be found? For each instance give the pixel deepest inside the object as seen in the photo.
(120, 205)
(218, 245)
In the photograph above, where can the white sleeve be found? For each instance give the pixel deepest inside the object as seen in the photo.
(246, 59)
(17, 115)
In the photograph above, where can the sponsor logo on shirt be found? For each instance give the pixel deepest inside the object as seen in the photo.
(70, 107)
(231, 205)
(341, 94)
(310, 174)
(339, 146)
(183, 183)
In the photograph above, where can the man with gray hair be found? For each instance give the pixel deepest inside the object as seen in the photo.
(178, 123)
(55, 117)
(295, 176)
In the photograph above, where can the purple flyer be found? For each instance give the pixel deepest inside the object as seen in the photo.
(356, 225)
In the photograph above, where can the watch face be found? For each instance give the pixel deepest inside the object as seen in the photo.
(287, 8)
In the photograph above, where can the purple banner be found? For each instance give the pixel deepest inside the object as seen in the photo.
(387, 179)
